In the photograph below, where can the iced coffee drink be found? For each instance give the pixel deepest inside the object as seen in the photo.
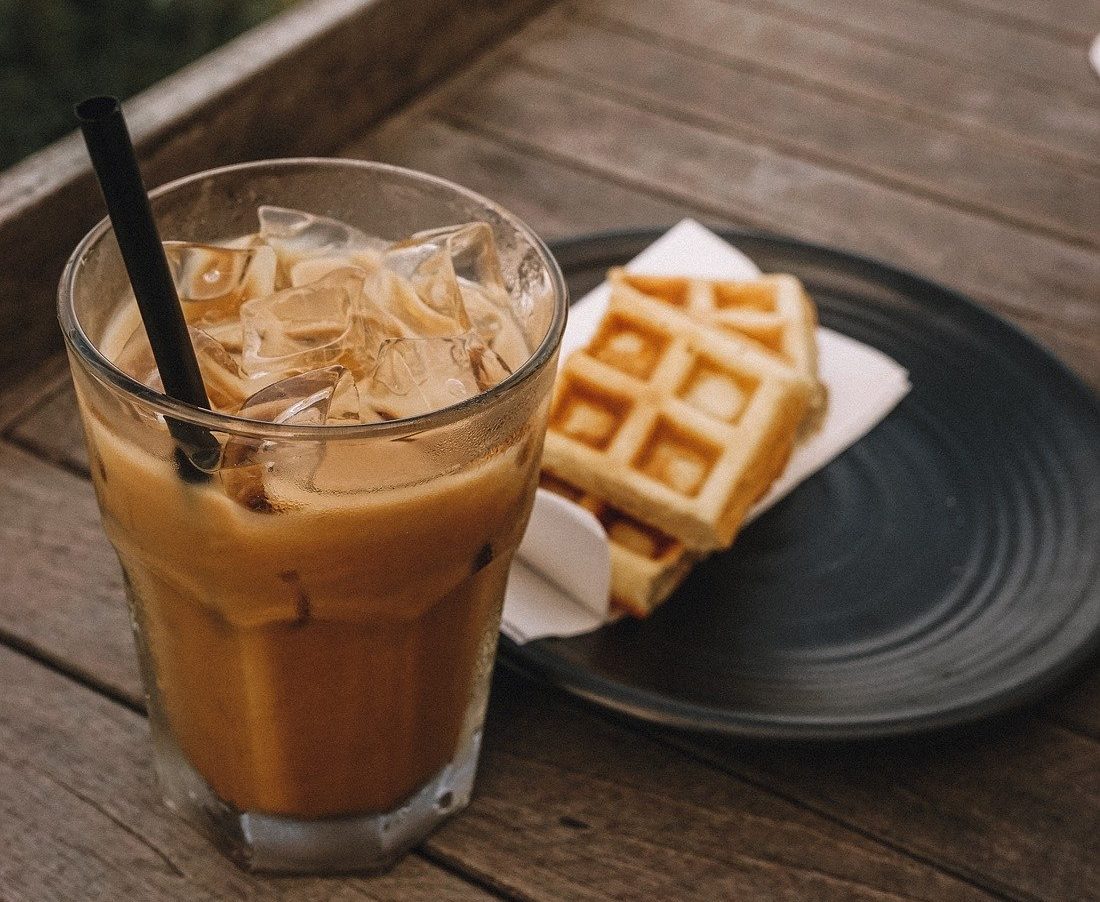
(316, 602)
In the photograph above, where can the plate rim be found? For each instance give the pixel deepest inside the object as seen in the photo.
(668, 711)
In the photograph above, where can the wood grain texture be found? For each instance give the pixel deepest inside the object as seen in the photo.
(953, 166)
(1010, 799)
(544, 760)
(35, 389)
(81, 819)
(53, 432)
(1032, 275)
(61, 589)
(602, 800)
(865, 71)
(951, 33)
(1073, 21)
(299, 84)
(560, 200)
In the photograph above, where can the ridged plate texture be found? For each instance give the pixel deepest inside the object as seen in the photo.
(944, 568)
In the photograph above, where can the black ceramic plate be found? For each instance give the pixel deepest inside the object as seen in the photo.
(944, 568)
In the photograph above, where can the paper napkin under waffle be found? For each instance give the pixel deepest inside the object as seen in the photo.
(560, 580)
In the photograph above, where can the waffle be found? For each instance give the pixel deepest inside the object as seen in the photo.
(673, 422)
(772, 310)
(646, 564)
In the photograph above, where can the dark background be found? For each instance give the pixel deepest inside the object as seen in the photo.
(54, 52)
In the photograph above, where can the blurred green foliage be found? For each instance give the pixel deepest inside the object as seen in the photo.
(54, 52)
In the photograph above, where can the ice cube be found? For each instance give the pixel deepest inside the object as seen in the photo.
(322, 397)
(393, 309)
(136, 359)
(436, 306)
(325, 396)
(488, 366)
(225, 384)
(470, 249)
(227, 333)
(419, 375)
(297, 236)
(224, 381)
(313, 268)
(493, 320)
(213, 281)
(301, 329)
(456, 271)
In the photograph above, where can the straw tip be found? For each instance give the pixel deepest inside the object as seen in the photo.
(96, 109)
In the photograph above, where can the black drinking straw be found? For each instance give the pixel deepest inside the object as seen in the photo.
(116, 168)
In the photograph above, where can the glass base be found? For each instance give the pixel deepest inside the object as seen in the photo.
(283, 845)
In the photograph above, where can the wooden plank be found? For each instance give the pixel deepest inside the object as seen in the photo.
(1017, 802)
(82, 818)
(35, 389)
(868, 72)
(61, 589)
(562, 200)
(599, 799)
(950, 165)
(53, 430)
(298, 84)
(1040, 278)
(556, 200)
(1074, 21)
(1078, 708)
(567, 807)
(950, 33)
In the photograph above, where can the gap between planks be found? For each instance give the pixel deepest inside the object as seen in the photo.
(719, 212)
(1073, 36)
(813, 82)
(720, 125)
(672, 740)
(916, 46)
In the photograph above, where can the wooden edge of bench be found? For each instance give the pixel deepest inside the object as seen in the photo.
(299, 84)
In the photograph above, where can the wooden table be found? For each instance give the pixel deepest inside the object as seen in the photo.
(957, 138)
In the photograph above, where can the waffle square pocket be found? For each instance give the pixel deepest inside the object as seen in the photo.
(673, 421)
(773, 311)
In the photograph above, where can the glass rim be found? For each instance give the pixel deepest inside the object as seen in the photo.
(115, 379)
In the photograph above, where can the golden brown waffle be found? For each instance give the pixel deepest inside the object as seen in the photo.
(646, 564)
(673, 422)
(772, 310)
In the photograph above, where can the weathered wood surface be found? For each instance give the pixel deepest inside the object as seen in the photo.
(82, 818)
(924, 158)
(1072, 20)
(951, 33)
(866, 71)
(295, 86)
(979, 803)
(724, 175)
(972, 157)
(537, 125)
